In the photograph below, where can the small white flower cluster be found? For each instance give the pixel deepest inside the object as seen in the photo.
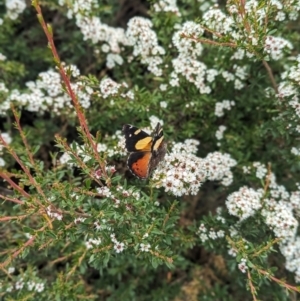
(261, 170)
(6, 137)
(182, 172)
(153, 122)
(47, 93)
(167, 6)
(91, 243)
(79, 220)
(277, 191)
(288, 90)
(76, 7)
(232, 252)
(53, 213)
(93, 29)
(189, 146)
(220, 132)
(245, 202)
(109, 87)
(206, 234)
(163, 104)
(206, 4)
(239, 54)
(103, 225)
(239, 75)
(66, 159)
(279, 217)
(295, 199)
(14, 8)
(2, 58)
(106, 192)
(216, 20)
(275, 47)
(187, 63)
(145, 247)
(217, 166)
(291, 251)
(119, 149)
(5, 104)
(223, 105)
(3, 88)
(163, 87)
(257, 12)
(145, 44)
(118, 246)
(114, 38)
(127, 193)
(243, 265)
(295, 151)
(31, 285)
(11, 270)
(278, 211)
(38, 287)
(289, 9)
(294, 72)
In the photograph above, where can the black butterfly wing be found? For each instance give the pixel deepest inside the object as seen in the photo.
(136, 139)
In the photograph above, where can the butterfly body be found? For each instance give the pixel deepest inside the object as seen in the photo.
(146, 151)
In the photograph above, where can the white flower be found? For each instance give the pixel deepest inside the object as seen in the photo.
(30, 285)
(145, 247)
(119, 247)
(232, 252)
(220, 132)
(19, 284)
(11, 270)
(91, 243)
(244, 202)
(163, 87)
(14, 8)
(274, 46)
(39, 287)
(166, 6)
(243, 265)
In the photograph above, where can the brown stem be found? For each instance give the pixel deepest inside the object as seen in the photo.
(271, 76)
(25, 169)
(66, 80)
(206, 41)
(287, 286)
(14, 200)
(252, 288)
(14, 185)
(29, 153)
(16, 253)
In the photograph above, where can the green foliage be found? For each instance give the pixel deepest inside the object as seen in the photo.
(76, 225)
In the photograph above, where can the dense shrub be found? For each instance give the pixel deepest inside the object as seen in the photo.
(218, 218)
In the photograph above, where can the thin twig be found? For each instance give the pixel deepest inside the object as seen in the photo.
(28, 150)
(252, 288)
(14, 200)
(271, 76)
(66, 80)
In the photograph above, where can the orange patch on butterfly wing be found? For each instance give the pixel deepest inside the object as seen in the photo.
(138, 163)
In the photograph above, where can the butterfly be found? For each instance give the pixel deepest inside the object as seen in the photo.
(146, 151)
